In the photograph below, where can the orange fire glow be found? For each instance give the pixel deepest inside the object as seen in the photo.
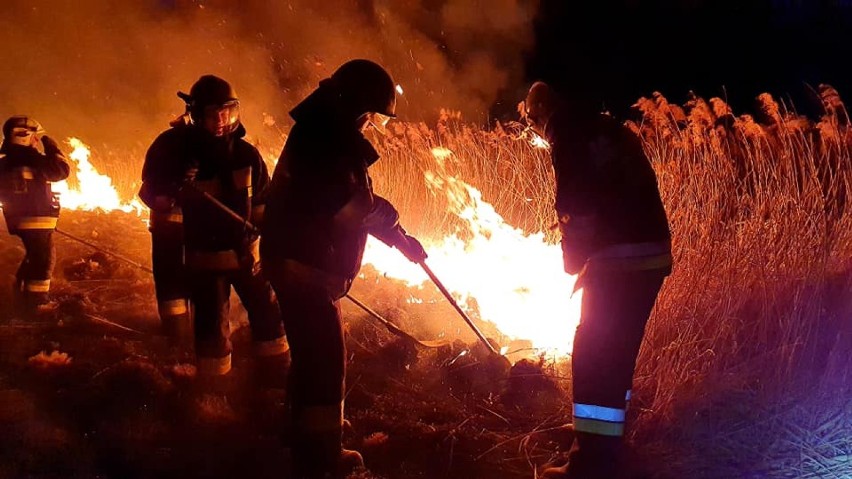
(94, 190)
(515, 277)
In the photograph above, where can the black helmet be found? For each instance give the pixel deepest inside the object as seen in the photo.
(212, 91)
(365, 87)
(23, 123)
(539, 104)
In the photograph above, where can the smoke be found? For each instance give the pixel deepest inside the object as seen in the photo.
(108, 70)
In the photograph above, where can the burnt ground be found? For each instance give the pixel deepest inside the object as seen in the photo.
(90, 389)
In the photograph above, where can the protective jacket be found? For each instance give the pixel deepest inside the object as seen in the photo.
(25, 177)
(607, 199)
(321, 203)
(182, 165)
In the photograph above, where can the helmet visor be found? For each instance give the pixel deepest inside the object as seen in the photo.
(222, 119)
(22, 136)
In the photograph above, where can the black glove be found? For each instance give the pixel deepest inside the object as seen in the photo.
(411, 248)
(50, 145)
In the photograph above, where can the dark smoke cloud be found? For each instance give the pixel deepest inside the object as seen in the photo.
(108, 70)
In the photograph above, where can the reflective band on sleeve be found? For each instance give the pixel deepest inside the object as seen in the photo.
(37, 285)
(242, 178)
(589, 411)
(601, 428)
(213, 260)
(172, 307)
(172, 216)
(214, 366)
(37, 223)
(26, 173)
(319, 419)
(271, 348)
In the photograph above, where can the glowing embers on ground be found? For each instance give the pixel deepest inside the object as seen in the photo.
(516, 278)
(94, 190)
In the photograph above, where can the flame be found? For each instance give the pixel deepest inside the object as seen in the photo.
(94, 190)
(538, 142)
(516, 278)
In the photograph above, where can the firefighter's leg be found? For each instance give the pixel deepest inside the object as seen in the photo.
(313, 323)
(615, 309)
(170, 280)
(267, 328)
(37, 267)
(209, 294)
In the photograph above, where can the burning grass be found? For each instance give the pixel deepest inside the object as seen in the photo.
(745, 371)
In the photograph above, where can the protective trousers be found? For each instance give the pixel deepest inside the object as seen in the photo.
(616, 306)
(170, 278)
(33, 276)
(312, 318)
(210, 293)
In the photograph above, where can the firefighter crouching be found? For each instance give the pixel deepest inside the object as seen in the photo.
(30, 207)
(185, 167)
(320, 208)
(615, 235)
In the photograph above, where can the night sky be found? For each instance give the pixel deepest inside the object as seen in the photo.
(617, 50)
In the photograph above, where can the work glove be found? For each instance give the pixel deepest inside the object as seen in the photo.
(578, 241)
(411, 248)
(50, 145)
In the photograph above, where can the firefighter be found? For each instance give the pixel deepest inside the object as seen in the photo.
(615, 237)
(320, 208)
(190, 167)
(30, 207)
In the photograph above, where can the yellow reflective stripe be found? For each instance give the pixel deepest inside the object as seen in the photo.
(213, 260)
(26, 173)
(601, 428)
(212, 187)
(37, 223)
(172, 307)
(271, 348)
(637, 263)
(319, 419)
(242, 178)
(214, 366)
(37, 285)
(172, 216)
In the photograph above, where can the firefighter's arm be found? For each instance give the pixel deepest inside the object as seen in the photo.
(54, 166)
(260, 184)
(160, 184)
(577, 198)
(383, 223)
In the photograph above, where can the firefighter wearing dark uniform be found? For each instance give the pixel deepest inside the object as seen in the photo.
(190, 167)
(170, 284)
(29, 205)
(320, 208)
(615, 235)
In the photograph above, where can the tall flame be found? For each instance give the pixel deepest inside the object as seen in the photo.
(94, 190)
(515, 278)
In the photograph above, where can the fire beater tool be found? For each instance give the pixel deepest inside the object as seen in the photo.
(458, 309)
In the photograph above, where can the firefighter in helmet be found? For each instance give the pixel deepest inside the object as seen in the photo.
(615, 236)
(320, 208)
(30, 207)
(205, 173)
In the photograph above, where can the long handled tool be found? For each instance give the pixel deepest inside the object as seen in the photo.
(387, 324)
(105, 251)
(455, 304)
